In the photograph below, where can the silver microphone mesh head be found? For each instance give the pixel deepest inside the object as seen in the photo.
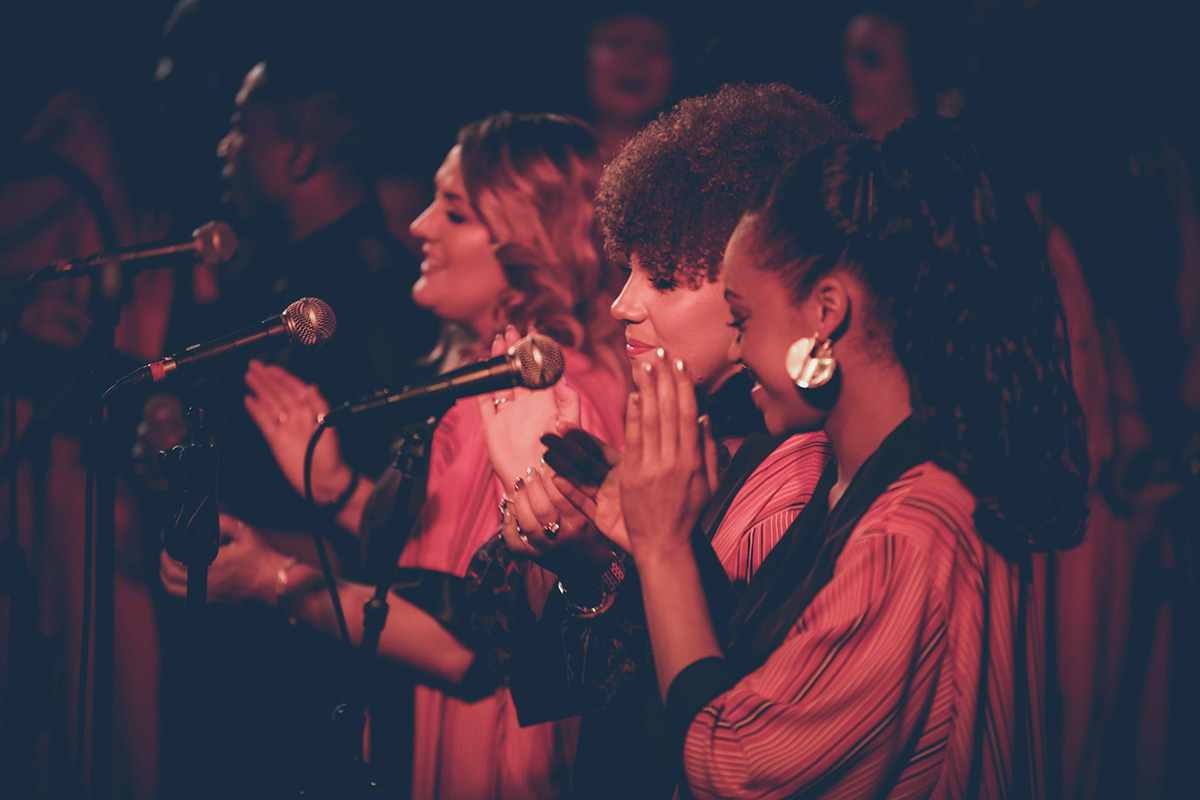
(215, 242)
(541, 361)
(310, 321)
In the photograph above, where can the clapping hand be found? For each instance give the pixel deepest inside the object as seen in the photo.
(515, 419)
(669, 471)
(285, 409)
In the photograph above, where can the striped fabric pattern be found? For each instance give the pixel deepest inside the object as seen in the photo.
(879, 687)
(768, 502)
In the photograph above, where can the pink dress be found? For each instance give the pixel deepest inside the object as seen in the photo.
(477, 750)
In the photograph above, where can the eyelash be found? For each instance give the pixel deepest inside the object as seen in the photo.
(737, 324)
(457, 219)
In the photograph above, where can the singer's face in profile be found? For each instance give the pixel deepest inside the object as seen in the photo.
(253, 152)
(461, 278)
(766, 323)
(692, 323)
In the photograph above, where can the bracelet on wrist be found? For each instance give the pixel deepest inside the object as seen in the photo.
(603, 594)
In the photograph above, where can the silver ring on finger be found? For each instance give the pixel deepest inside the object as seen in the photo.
(499, 401)
(551, 529)
(282, 417)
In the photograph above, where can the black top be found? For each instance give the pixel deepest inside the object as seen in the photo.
(355, 266)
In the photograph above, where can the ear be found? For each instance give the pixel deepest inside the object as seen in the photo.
(304, 161)
(833, 300)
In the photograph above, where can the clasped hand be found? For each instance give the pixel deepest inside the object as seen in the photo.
(246, 568)
(649, 499)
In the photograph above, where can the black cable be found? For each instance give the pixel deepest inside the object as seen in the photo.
(330, 581)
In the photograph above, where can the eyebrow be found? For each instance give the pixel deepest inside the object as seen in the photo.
(731, 293)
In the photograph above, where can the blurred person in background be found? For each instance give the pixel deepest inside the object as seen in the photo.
(1110, 196)
(630, 72)
(900, 62)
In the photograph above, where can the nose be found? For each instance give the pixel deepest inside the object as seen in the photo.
(628, 306)
(423, 226)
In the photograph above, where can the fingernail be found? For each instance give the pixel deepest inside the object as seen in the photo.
(703, 420)
(635, 398)
(679, 365)
(660, 353)
(647, 368)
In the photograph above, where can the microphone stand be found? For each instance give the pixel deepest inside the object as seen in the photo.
(383, 552)
(193, 538)
(109, 293)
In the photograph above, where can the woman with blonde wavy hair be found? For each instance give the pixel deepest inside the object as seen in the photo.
(509, 245)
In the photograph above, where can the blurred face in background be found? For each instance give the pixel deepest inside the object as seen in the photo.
(878, 74)
(630, 68)
(691, 323)
(255, 156)
(461, 278)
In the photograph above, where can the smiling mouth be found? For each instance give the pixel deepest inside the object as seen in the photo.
(634, 348)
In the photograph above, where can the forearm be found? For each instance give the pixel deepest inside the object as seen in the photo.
(410, 635)
(677, 614)
(349, 518)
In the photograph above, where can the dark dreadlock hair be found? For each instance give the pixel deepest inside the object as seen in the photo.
(960, 281)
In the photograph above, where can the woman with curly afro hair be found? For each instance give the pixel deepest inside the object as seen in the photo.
(889, 644)
(666, 205)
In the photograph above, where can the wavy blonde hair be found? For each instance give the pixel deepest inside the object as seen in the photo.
(532, 178)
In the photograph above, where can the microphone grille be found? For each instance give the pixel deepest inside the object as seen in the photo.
(310, 321)
(215, 242)
(540, 359)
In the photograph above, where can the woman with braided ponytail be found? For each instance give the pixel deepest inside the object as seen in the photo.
(887, 646)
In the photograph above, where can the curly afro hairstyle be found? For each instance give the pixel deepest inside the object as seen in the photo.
(675, 192)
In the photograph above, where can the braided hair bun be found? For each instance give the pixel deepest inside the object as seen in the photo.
(965, 300)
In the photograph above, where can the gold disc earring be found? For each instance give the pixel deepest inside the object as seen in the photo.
(810, 362)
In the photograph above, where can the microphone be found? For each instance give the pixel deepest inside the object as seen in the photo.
(535, 362)
(212, 243)
(307, 322)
